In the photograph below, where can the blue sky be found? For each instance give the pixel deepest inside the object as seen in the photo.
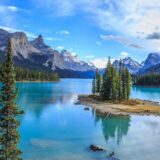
(93, 29)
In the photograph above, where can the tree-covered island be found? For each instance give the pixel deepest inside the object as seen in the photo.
(111, 94)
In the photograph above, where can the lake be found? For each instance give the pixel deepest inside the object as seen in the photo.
(53, 128)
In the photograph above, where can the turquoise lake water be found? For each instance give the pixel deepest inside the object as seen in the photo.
(53, 128)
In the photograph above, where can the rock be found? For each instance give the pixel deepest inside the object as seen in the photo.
(96, 148)
(77, 102)
(112, 158)
(86, 108)
(111, 154)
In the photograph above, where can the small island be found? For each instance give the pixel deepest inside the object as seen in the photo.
(130, 107)
(111, 94)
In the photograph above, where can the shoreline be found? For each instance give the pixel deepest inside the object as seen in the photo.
(35, 81)
(131, 107)
(146, 86)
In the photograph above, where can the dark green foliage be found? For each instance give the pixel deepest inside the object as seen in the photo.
(31, 75)
(128, 83)
(98, 81)
(106, 85)
(9, 136)
(151, 79)
(116, 84)
(94, 86)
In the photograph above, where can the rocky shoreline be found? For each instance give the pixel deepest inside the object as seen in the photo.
(131, 107)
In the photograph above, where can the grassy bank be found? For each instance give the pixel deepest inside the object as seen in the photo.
(130, 107)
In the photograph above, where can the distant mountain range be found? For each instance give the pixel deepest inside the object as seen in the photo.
(37, 55)
(151, 64)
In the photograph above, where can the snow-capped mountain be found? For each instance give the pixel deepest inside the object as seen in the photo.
(37, 55)
(20, 45)
(130, 64)
(152, 59)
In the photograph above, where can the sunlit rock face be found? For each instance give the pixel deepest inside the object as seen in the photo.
(130, 64)
(152, 59)
(36, 54)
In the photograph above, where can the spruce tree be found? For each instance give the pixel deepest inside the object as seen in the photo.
(113, 83)
(107, 82)
(128, 83)
(98, 81)
(9, 136)
(93, 86)
(120, 81)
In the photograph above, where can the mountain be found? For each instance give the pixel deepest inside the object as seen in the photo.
(20, 45)
(37, 55)
(130, 64)
(152, 59)
(151, 64)
(152, 69)
(63, 62)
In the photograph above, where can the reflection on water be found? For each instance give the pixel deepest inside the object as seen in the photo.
(53, 128)
(114, 127)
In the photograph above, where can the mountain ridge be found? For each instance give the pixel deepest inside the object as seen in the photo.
(36, 54)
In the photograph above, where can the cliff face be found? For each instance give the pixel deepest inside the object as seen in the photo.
(37, 55)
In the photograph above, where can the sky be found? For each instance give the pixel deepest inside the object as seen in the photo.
(91, 29)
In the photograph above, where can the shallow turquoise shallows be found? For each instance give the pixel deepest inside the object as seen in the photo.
(53, 128)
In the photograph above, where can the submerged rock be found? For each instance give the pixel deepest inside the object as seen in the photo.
(86, 108)
(95, 148)
(112, 158)
(77, 102)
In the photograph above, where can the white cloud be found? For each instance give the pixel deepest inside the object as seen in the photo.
(64, 32)
(74, 54)
(136, 18)
(98, 43)
(124, 55)
(121, 40)
(13, 8)
(5, 9)
(89, 56)
(53, 39)
(101, 62)
(12, 30)
(60, 47)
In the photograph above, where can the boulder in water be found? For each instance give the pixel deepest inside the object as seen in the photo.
(95, 148)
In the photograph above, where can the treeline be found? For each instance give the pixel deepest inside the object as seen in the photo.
(151, 79)
(115, 84)
(22, 74)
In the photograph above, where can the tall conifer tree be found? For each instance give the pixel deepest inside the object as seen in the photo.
(98, 82)
(9, 136)
(128, 83)
(93, 86)
(107, 82)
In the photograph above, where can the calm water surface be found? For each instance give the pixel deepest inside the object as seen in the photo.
(53, 128)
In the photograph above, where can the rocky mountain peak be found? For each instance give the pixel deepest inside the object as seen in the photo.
(4, 36)
(19, 38)
(40, 39)
(39, 43)
(152, 59)
(129, 63)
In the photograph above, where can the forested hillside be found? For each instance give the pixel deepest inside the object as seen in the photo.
(32, 75)
(151, 79)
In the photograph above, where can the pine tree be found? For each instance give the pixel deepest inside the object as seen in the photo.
(114, 82)
(94, 86)
(128, 83)
(98, 81)
(9, 136)
(119, 86)
(107, 78)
